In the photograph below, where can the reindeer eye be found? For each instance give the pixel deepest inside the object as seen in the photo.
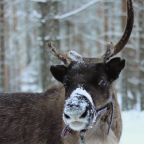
(102, 83)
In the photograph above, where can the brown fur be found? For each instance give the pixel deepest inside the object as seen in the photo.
(27, 118)
(31, 118)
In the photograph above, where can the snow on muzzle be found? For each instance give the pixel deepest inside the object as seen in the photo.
(79, 110)
(80, 113)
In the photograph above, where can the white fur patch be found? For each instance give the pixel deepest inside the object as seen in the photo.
(82, 91)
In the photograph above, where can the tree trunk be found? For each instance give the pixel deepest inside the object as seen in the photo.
(3, 68)
(141, 77)
(48, 31)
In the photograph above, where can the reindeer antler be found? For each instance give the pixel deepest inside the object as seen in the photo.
(63, 57)
(109, 52)
(111, 49)
(115, 49)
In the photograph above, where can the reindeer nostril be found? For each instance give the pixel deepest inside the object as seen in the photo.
(66, 116)
(84, 114)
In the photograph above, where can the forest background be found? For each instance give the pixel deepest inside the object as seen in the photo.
(86, 26)
(26, 27)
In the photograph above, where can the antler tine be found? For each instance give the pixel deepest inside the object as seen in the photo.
(113, 50)
(109, 52)
(63, 57)
(68, 57)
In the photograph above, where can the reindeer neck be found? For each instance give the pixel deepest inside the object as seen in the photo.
(96, 135)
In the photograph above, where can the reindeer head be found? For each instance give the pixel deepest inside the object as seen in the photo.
(87, 86)
(88, 81)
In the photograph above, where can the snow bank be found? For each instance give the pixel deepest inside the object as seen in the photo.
(133, 127)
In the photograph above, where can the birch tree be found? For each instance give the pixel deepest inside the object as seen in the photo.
(141, 57)
(48, 31)
(2, 49)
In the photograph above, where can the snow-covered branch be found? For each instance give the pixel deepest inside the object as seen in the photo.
(39, 1)
(83, 7)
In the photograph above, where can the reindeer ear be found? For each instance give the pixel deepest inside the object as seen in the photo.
(58, 72)
(114, 67)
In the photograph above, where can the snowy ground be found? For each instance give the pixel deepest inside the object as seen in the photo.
(133, 128)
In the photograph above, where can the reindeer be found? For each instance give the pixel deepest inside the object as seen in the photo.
(84, 109)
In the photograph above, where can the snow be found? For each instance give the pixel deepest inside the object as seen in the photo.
(134, 81)
(133, 127)
(36, 14)
(130, 95)
(83, 92)
(75, 110)
(74, 56)
(43, 1)
(29, 79)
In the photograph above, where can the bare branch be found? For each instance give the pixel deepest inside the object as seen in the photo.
(85, 6)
